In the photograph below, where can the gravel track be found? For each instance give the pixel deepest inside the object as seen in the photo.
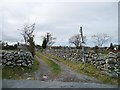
(43, 71)
(68, 75)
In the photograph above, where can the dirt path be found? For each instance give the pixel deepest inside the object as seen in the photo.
(67, 75)
(43, 73)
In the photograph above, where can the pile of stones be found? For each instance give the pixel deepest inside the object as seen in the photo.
(17, 58)
(109, 64)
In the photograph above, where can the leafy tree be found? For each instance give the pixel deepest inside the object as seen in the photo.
(111, 47)
(119, 47)
(44, 44)
(48, 40)
(96, 49)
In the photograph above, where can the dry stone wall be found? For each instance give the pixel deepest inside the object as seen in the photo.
(108, 64)
(17, 58)
(66, 53)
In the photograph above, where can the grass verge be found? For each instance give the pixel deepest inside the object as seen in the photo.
(18, 73)
(55, 68)
(86, 69)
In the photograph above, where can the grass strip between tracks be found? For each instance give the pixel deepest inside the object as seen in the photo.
(55, 68)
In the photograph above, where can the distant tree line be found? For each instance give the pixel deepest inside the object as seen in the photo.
(6, 46)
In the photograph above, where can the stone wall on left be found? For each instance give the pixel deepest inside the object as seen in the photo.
(17, 58)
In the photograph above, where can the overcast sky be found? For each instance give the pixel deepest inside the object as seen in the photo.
(61, 19)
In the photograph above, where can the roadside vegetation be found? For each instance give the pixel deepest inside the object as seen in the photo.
(19, 73)
(86, 69)
(55, 68)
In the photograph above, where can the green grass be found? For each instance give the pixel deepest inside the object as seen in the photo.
(86, 69)
(55, 68)
(18, 73)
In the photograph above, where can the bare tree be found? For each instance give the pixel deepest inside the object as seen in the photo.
(27, 33)
(100, 39)
(48, 40)
(76, 40)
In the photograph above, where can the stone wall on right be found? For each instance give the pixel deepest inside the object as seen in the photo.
(108, 64)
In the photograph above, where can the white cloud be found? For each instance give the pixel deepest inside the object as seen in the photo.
(62, 19)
